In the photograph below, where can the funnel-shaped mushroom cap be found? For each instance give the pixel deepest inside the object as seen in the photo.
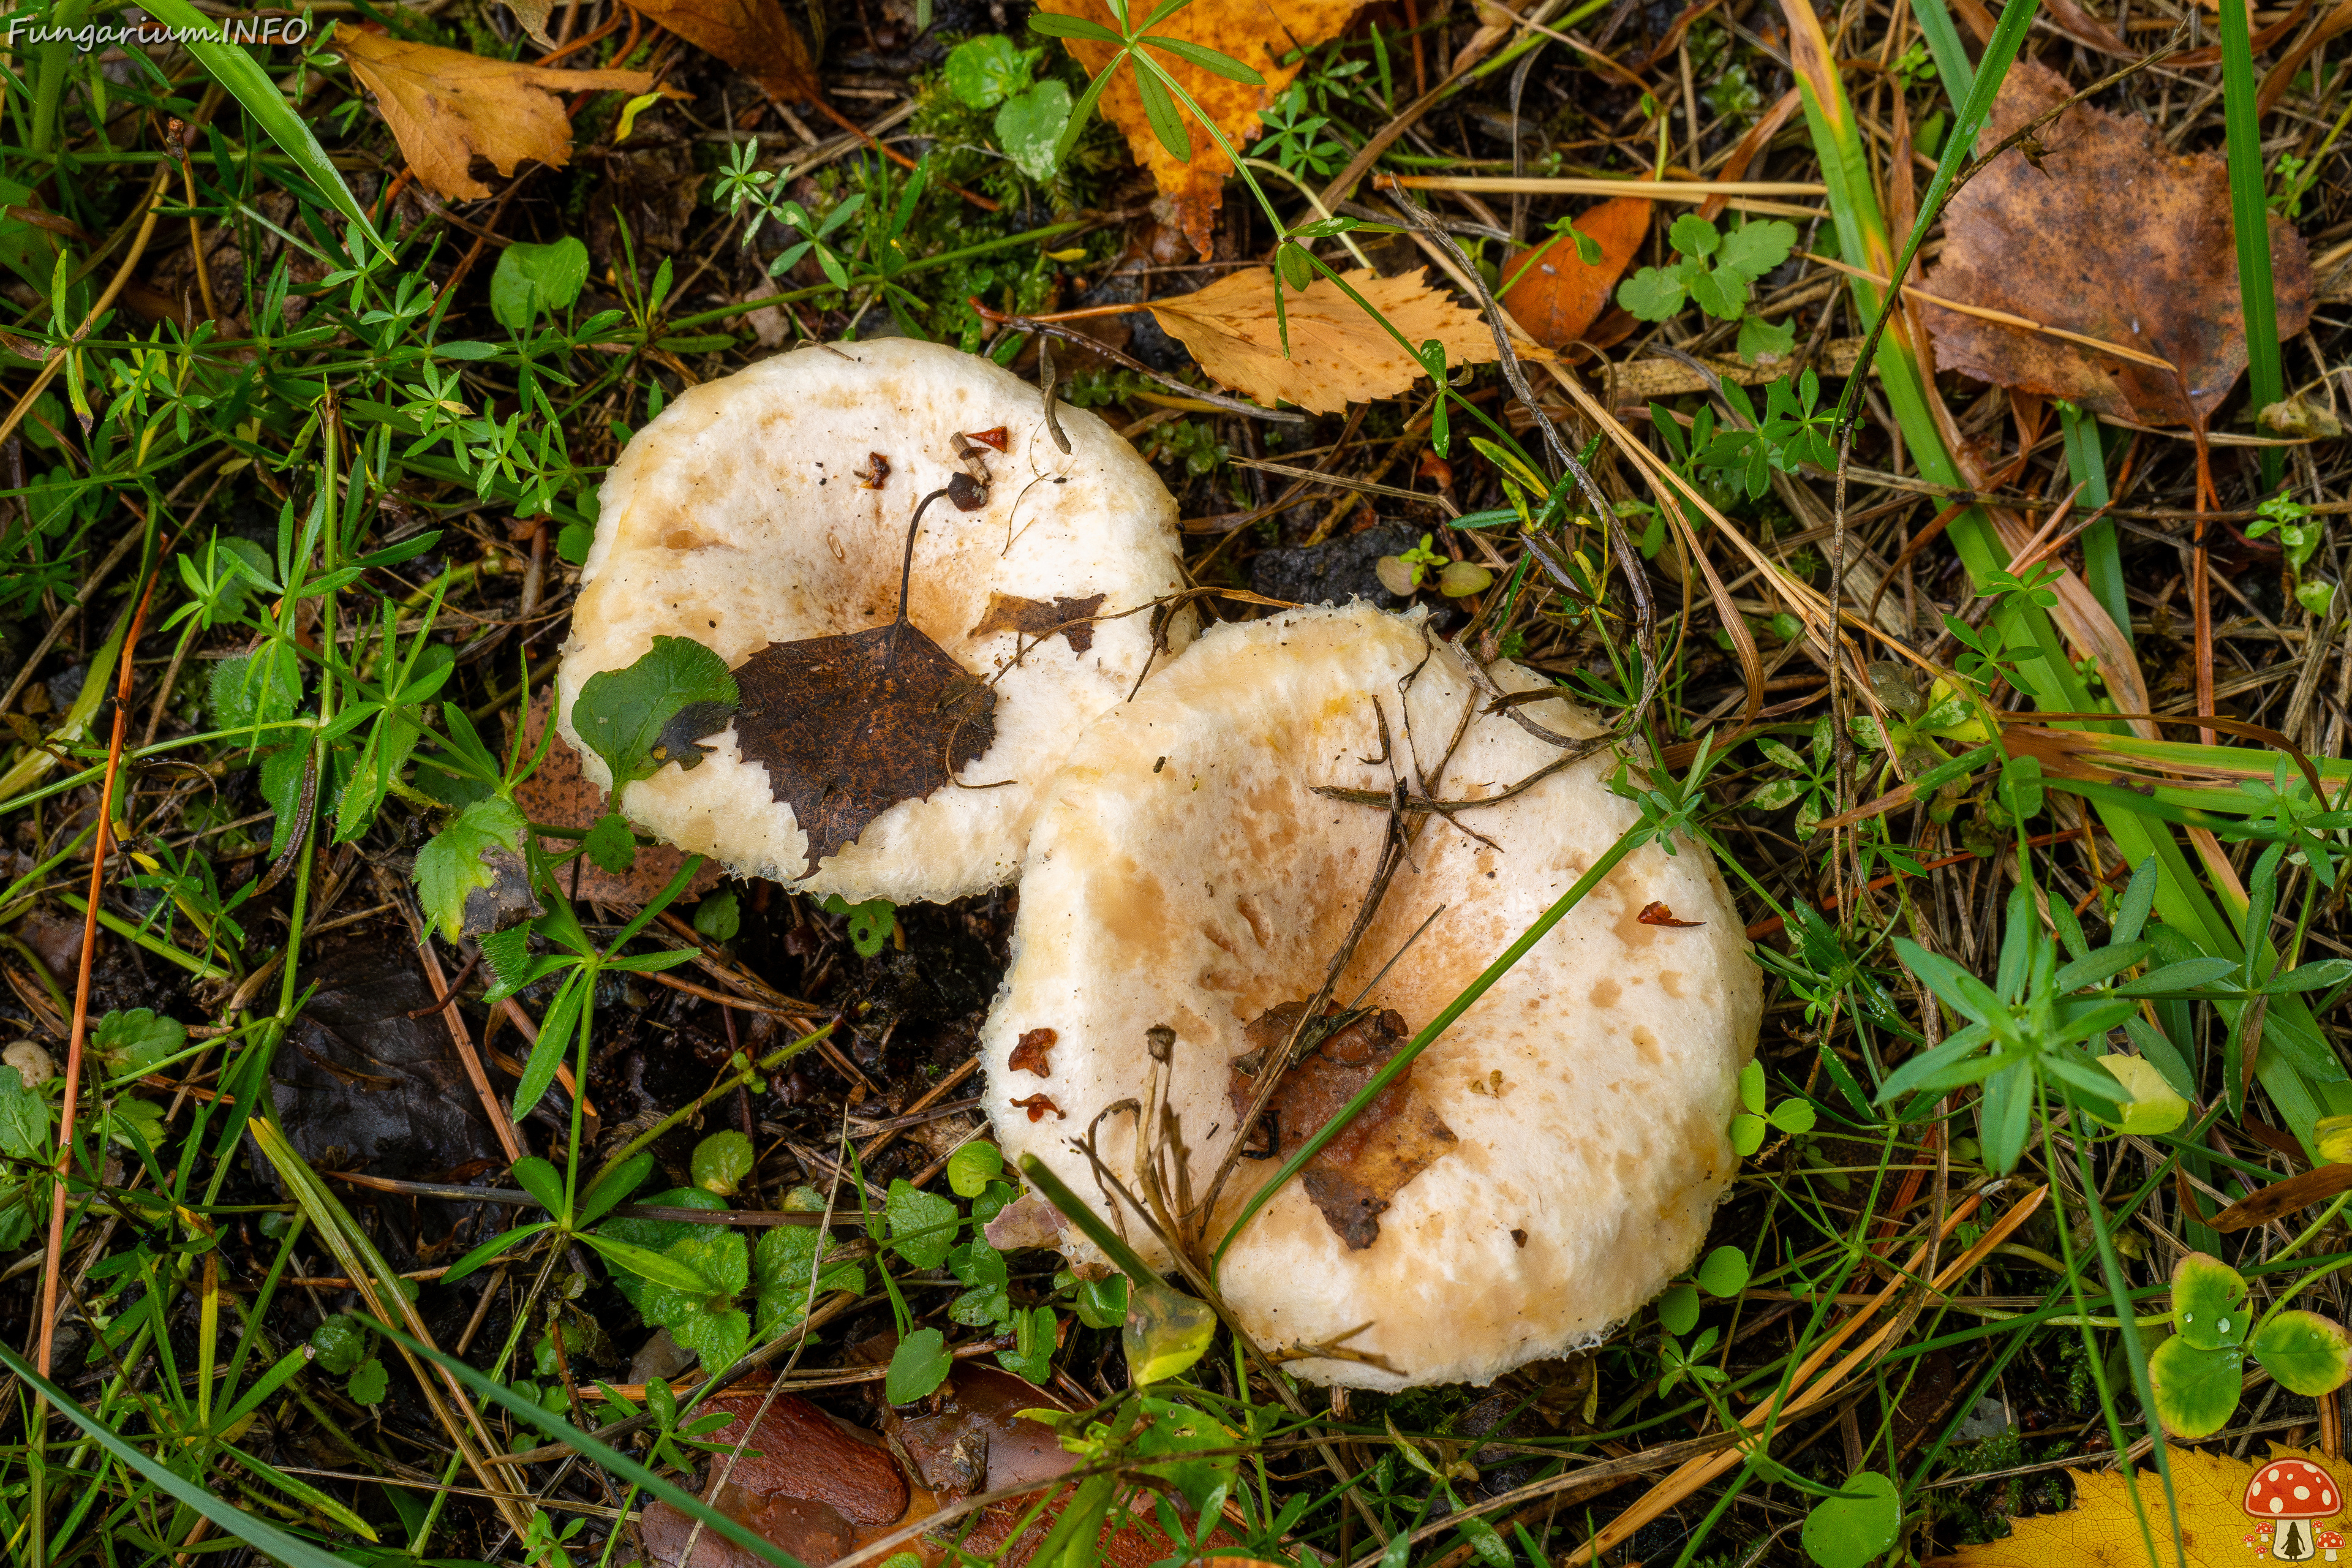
(748, 513)
(1547, 1165)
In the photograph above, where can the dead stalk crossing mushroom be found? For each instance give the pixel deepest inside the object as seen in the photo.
(765, 516)
(1542, 1169)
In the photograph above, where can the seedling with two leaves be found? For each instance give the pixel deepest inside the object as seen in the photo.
(1714, 272)
(2199, 1372)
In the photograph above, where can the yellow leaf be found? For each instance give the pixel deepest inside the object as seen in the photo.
(446, 108)
(1259, 34)
(1339, 354)
(2216, 1530)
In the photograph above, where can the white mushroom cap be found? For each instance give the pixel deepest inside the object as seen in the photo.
(737, 518)
(1588, 1093)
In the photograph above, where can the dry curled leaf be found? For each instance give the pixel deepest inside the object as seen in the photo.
(1038, 1105)
(2101, 1532)
(1555, 297)
(1339, 354)
(1034, 618)
(1391, 1140)
(1655, 913)
(1261, 34)
(2113, 237)
(447, 107)
(752, 35)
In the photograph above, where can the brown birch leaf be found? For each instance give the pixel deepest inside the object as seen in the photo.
(447, 107)
(1260, 34)
(1339, 354)
(2113, 237)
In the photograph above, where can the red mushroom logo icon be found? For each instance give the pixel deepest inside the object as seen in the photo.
(2287, 1495)
(2330, 1543)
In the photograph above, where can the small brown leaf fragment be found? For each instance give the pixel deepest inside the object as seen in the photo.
(447, 107)
(966, 493)
(1655, 913)
(1029, 1052)
(1554, 295)
(995, 436)
(1339, 354)
(797, 1450)
(1036, 618)
(849, 726)
(875, 474)
(1392, 1140)
(752, 35)
(1037, 1105)
(2107, 231)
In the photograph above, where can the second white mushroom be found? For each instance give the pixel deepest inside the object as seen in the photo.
(1547, 1165)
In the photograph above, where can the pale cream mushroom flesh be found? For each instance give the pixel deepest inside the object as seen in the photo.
(1547, 1165)
(773, 506)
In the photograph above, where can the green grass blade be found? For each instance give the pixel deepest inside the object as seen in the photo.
(2103, 561)
(255, 1531)
(246, 81)
(2249, 216)
(1945, 48)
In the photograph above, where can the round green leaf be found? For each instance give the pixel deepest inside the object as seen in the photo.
(2196, 1390)
(1751, 1087)
(1849, 1532)
(2306, 1353)
(2208, 1302)
(1029, 128)
(1678, 1309)
(1793, 1116)
(972, 1167)
(1746, 1134)
(1724, 1273)
(721, 1162)
(919, 1366)
(339, 1344)
(369, 1383)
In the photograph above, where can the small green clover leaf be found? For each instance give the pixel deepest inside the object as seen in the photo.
(1724, 1272)
(1678, 1364)
(721, 1162)
(870, 923)
(1678, 1308)
(972, 1167)
(2199, 1372)
(369, 1383)
(1754, 1124)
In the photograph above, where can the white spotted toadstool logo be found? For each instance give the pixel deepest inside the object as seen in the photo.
(2292, 1496)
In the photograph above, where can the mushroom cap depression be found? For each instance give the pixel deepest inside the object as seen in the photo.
(747, 515)
(1546, 1166)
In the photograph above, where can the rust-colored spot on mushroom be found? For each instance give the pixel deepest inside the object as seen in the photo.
(1037, 1105)
(1605, 993)
(1041, 617)
(992, 437)
(683, 540)
(1518, 1237)
(876, 474)
(1391, 1140)
(1029, 1053)
(1655, 913)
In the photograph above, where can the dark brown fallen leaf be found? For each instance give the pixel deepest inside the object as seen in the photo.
(1033, 619)
(1390, 1140)
(849, 726)
(799, 1451)
(2115, 238)
(1655, 913)
(1029, 1052)
(2282, 1198)
(560, 795)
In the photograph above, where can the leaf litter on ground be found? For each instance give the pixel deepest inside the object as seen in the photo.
(2112, 236)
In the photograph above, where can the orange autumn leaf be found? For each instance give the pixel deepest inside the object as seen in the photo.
(1555, 297)
(1339, 354)
(447, 107)
(2099, 1531)
(752, 35)
(1259, 34)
